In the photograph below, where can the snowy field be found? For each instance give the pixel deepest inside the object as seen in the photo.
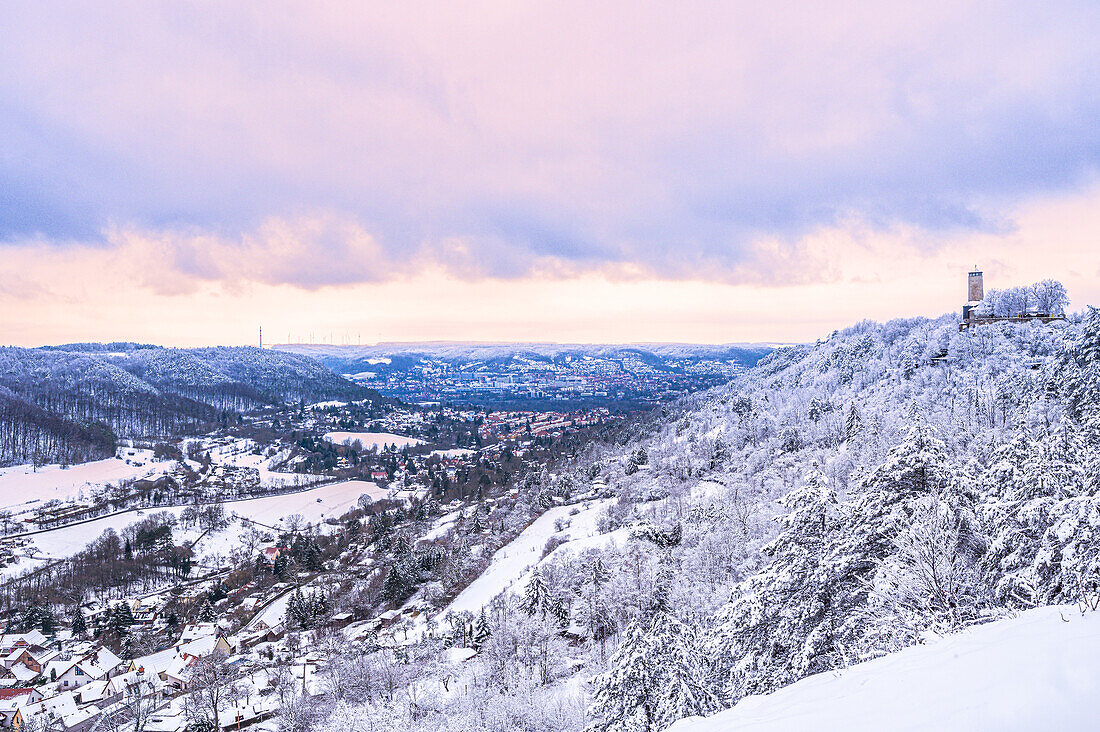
(313, 505)
(453, 453)
(515, 560)
(1037, 671)
(441, 527)
(21, 485)
(372, 439)
(274, 613)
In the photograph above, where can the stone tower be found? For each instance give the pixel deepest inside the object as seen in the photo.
(975, 289)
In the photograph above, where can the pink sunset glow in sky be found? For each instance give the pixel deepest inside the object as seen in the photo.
(601, 172)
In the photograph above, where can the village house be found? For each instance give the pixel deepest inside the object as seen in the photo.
(61, 711)
(12, 700)
(33, 657)
(194, 631)
(10, 641)
(77, 671)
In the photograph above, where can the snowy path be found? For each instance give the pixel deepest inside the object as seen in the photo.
(1036, 671)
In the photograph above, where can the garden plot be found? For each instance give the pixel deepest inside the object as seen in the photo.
(240, 454)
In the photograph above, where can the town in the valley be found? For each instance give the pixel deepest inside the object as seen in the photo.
(262, 545)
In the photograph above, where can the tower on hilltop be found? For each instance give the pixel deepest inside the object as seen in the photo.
(975, 288)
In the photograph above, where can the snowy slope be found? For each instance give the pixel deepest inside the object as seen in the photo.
(313, 505)
(513, 561)
(1037, 671)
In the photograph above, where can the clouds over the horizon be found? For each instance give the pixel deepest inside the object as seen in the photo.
(190, 291)
(331, 144)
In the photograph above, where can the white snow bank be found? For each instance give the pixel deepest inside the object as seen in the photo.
(314, 505)
(372, 439)
(326, 405)
(1040, 670)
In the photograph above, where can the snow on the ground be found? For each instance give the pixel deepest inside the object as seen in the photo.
(453, 453)
(274, 613)
(240, 454)
(584, 543)
(512, 561)
(1037, 671)
(313, 505)
(326, 405)
(372, 439)
(441, 527)
(579, 536)
(21, 484)
(68, 540)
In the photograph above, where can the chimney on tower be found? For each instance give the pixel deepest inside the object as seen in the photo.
(975, 288)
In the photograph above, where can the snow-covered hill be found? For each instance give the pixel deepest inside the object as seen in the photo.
(1037, 671)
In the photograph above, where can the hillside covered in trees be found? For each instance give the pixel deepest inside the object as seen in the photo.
(70, 403)
(848, 498)
(841, 501)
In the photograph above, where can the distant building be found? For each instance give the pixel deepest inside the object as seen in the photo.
(973, 312)
(975, 293)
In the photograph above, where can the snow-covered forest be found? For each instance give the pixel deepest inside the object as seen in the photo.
(843, 500)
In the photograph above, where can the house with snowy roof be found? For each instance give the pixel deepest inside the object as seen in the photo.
(11, 700)
(176, 674)
(198, 630)
(204, 646)
(10, 641)
(154, 663)
(34, 658)
(75, 672)
(61, 711)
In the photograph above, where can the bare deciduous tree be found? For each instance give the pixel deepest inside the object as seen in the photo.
(212, 683)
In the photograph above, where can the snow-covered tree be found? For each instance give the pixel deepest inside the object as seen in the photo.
(1049, 297)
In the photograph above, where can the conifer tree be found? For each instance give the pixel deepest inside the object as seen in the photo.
(79, 625)
(47, 623)
(536, 596)
(779, 626)
(685, 689)
(297, 612)
(207, 613)
(625, 697)
(482, 631)
(853, 424)
(122, 618)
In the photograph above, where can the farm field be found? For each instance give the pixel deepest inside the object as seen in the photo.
(314, 505)
(22, 485)
(370, 440)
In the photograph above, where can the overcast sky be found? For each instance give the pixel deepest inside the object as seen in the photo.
(183, 173)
